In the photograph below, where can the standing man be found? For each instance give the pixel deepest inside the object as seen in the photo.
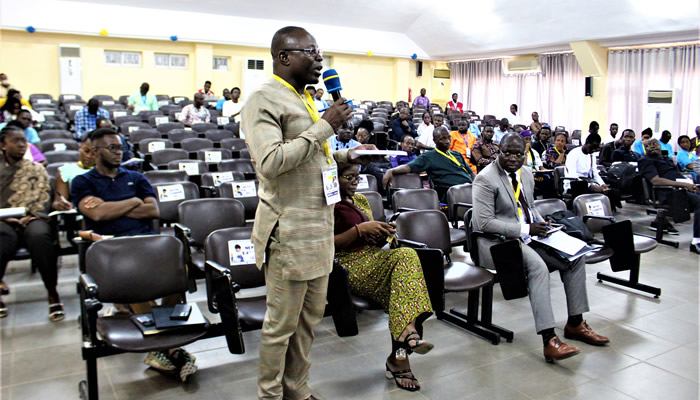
(611, 144)
(513, 117)
(422, 100)
(232, 108)
(86, 119)
(142, 101)
(505, 193)
(462, 142)
(207, 90)
(403, 126)
(454, 104)
(293, 229)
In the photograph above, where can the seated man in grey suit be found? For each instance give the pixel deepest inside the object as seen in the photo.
(501, 211)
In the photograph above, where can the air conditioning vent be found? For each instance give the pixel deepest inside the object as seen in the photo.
(441, 73)
(256, 64)
(522, 64)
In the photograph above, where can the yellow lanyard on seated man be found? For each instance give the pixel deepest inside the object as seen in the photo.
(313, 112)
(516, 192)
(451, 157)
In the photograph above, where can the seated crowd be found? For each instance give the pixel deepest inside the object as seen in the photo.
(450, 147)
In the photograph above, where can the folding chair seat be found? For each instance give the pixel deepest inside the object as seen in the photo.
(204, 126)
(430, 228)
(233, 144)
(57, 145)
(165, 176)
(237, 190)
(62, 156)
(161, 158)
(597, 213)
(55, 134)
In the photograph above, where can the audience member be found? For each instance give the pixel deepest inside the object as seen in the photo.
(363, 132)
(68, 171)
(119, 202)
(33, 153)
(542, 140)
(311, 90)
(501, 130)
(105, 123)
(581, 164)
(593, 127)
(422, 100)
(532, 158)
(535, 125)
(612, 134)
(24, 117)
(226, 96)
(454, 104)
(685, 157)
(407, 145)
(513, 115)
(5, 85)
(206, 91)
(695, 142)
(606, 153)
(555, 156)
(10, 109)
(665, 145)
(142, 101)
(639, 147)
(392, 278)
(232, 108)
(318, 100)
(403, 125)
(26, 184)
(445, 167)
(425, 133)
(624, 152)
(506, 196)
(485, 150)
(86, 118)
(462, 142)
(195, 113)
(343, 138)
(662, 171)
(25, 104)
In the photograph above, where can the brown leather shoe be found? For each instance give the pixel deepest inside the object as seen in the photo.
(558, 350)
(585, 334)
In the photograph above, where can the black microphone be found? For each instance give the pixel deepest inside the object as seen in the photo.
(332, 82)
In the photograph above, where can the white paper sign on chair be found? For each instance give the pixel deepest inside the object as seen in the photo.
(189, 168)
(117, 114)
(212, 156)
(241, 252)
(363, 183)
(171, 192)
(244, 189)
(155, 146)
(595, 208)
(222, 120)
(221, 177)
(161, 120)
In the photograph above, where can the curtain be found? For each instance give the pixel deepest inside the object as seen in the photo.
(633, 72)
(556, 93)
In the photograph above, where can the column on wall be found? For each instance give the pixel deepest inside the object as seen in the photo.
(203, 54)
(593, 60)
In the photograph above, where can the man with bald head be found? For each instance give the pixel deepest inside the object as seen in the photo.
(505, 192)
(293, 229)
(445, 167)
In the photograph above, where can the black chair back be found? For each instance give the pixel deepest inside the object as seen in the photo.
(549, 206)
(233, 144)
(55, 134)
(240, 165)
(204, 126)
(586, 203)
(165, 176)
(457, 197)
(216, 248)
(178, 135)
(168, 203)
(169, 126)
(57, 145)
(425, 226)
(376, 204)
(162, 157)
(213, 155)
(237, 190)
(371, 184)
(62, 156)
(193, 144)
(180, 165)
(207, 178)
(415, 199)
(217, 135)
(139, 135)
(204, 216)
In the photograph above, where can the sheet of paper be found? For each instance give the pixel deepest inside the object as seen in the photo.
(189, 168)
(241, 252)
(117, 114)
(161, 120)
(222, 120)
(47, 112)
(562, 242)
(221, 177)
(162, 103)
(212, 156)
(77, 107)
(595, 208)
(13, 212)
(134, 128)
(363, 183)
(68, 97)
(171, 192)
(43, 101)
(381, 152)
(155, 146)
(59, 147)
(244, 189)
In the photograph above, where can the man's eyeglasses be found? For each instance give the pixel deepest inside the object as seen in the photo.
(113, 148)
(312, 52)
(351, 178)
(508, 154)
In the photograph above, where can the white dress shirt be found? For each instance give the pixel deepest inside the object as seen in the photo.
(425, 134)
(579, 165)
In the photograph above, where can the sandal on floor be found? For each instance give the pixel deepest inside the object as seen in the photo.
(4, 289)
(421, 348)
(400, 375)
(56, 312)
(3, 310)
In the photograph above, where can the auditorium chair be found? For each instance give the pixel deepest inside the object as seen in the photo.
(55, 134)
(161, 158)
(154, 118)
(242, 153)
(404, 181)
(129, 127)
(62, 156)
(217, 135)
(233, 144)
(168, 206)
(372, 185)
(424, 199)
(627, 247)
(233, 127)
(204, 126)
(376, 204)
(60, 125)
(178, 135)
(57, 145)
(118, 121)
(191, 145)
(194, 175)
(208, 187)
(652, 193)
(213, 155)
(169, 126)
(121, 270)
(459, 200)
(240, 165)
(228, 190)
(165, 176)
(430, 228)
(148, 145)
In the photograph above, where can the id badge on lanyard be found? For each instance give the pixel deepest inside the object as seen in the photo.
(331, 186)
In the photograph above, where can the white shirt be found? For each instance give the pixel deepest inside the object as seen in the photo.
(231, 108)
(425, 134)
(513, 119)
(498, 134)
(536, 162)
(579, 165)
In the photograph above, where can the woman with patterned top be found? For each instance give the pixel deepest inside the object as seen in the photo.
(393, 278)
(195, 113)
(555, 156)
(25, 184)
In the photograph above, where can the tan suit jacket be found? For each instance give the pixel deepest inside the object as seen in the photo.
(286, 148)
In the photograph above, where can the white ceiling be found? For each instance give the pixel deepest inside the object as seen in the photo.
(457, 29)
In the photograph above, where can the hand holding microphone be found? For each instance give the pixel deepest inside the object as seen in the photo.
(338, 113)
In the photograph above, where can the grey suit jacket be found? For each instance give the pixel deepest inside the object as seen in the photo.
(495, 207)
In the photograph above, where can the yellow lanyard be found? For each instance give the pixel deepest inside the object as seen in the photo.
(532, 162)
(516, 192)
(451, 157)
(313, 112)
(557, 150)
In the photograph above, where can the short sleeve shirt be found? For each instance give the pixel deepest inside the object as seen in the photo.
(442, 170)
(649, 167)
(125, 185)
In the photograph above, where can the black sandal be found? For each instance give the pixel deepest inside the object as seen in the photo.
(400, 375)
(420, 348)
(4, 289)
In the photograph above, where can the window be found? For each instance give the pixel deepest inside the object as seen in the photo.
(123, 58)
(220, 63)
(163, 60)
(256, 64)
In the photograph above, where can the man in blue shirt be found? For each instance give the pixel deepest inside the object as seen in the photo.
(114, 201)
(86, 119)
(343, 138)
(403, 126)
(220, 102)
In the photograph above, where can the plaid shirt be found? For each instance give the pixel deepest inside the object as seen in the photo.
(86, 122)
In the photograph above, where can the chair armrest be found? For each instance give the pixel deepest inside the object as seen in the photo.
(209, 191)
(455, 207)
(488, 235)
(89, 306)
(88, 286)
(412, 244)
(402, 209)
(183, 233)
(214, 272)
(221, 299)
(608, 218)
(563, 178)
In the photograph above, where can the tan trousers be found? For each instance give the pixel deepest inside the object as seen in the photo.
(294, 308)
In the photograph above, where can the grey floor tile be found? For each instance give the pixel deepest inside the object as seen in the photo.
(635, 342)
(469, 384)
(682, 361)
(63, 387)
(590, 390)
(596, 362)
(643, 381)
(666, 327)
(42, 364)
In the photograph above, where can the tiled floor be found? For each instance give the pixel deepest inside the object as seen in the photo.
(653, 354)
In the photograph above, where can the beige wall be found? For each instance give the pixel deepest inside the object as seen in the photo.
(31, 63)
